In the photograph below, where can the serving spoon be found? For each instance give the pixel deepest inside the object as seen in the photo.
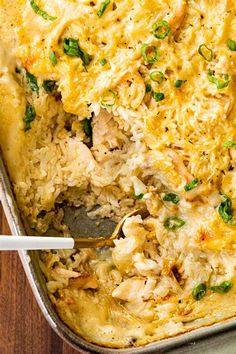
(13, 243)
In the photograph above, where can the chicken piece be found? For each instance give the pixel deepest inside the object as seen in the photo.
(106, 131)
(124, 248)
(134, 288)
(182, 169)
(145, 266)
(84, 282)
(62, 273)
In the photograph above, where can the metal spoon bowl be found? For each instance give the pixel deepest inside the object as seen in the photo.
(90, 242)
(52, 242)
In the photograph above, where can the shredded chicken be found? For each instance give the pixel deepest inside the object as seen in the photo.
(182, 169)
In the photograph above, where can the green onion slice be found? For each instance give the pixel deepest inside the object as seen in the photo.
(138, 196)
(32, 82)
(230, 144)
(171, 197)
(150, 53)
(72, 48)
(223, 288)
(87, 126)
(49, 85)
(53, 58)
(220, 84)
(157, 76)
(103, 62)
(231, 45)
(225, 209)
(158, 96)
(148, 88)
(103, 7)
(30, 115)
(205, 52)
(179, 83)
(161, 29)
(199, 291)
(173, 223)
(193, 184)
(108, 98)
(40, 12)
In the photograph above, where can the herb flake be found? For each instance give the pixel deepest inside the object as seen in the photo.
(223, 288)
(171, 197)
(193, 184)
(230, 144)
(231, 44)
(40, 12)
(158, 96)
(199, 291)
(173, 223)
(225, 209)
(53, 58)
(32, 82)
(87, 126)
(49, 85)
(72, 48)
(103, 7)
(30, 115)
(138, 196)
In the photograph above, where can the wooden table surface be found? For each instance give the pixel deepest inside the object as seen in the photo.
(23, 329)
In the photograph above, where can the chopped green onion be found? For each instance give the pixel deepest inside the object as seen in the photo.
(32, 82)
(150, 53)
(148, 88)
(179, 83)
(231, 45)
(199, 291)
(138, 196)
(161, 29)
(103, 62)
(53, 58)
(103, 7)
(30, 115)
(173, 223)
(171, 197)
(225, 209)
(222, 288)
(158, 96)
(40, 12)
(49, 85)
(108, 98)
(87, 126)
(229, 144)
(157, 76)
(205, 52)
(220, 84)
(72, 48)
(193, 184)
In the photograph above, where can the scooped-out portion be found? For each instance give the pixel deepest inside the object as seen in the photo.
(115, 106)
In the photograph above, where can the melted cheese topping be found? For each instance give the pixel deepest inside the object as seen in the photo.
(139, 146)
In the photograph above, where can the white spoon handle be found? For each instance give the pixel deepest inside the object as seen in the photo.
(13, 243)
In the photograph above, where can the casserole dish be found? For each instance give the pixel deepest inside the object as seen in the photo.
(113, 106)
(36, 279)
